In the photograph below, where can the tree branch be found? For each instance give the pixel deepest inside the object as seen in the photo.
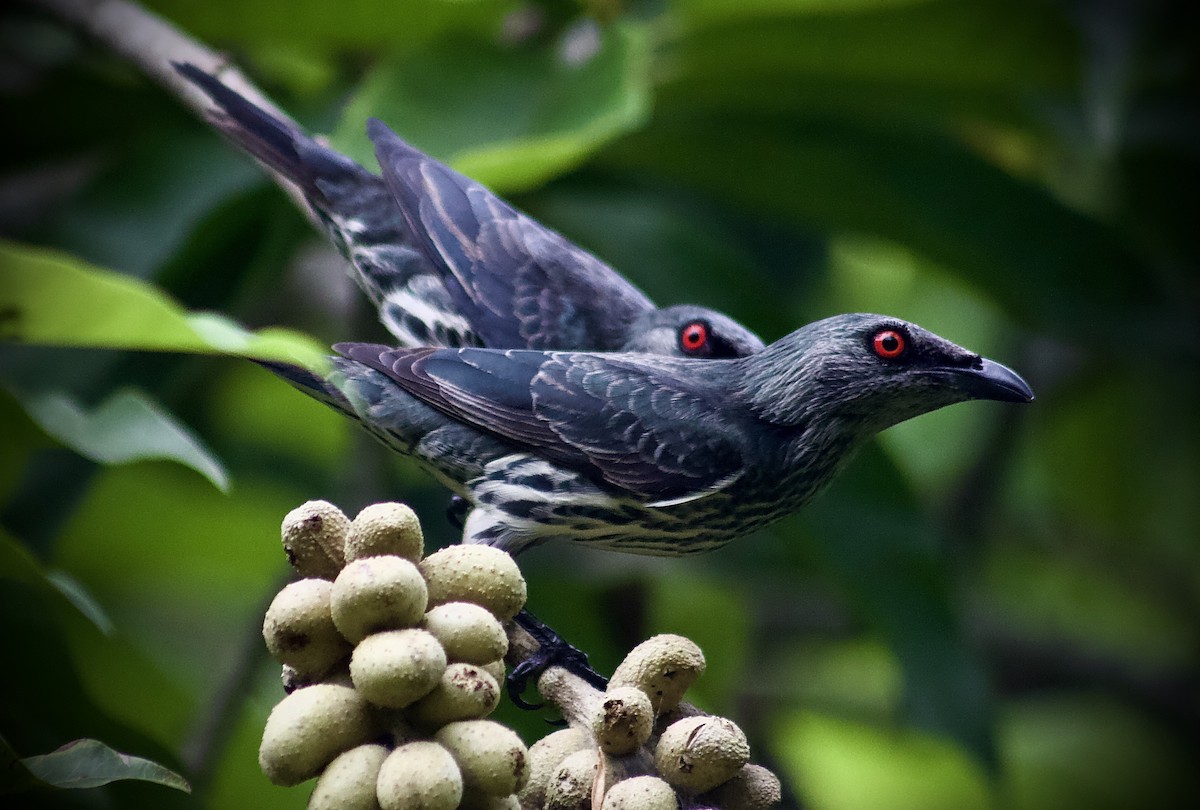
(574, 697)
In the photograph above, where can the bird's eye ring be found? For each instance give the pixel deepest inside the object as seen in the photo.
(889, 344)
(693, 337)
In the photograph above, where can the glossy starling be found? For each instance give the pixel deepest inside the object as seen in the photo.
(650, 454)
(447, 263)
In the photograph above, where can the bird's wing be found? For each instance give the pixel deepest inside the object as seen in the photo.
(521, 284)
(631, 425)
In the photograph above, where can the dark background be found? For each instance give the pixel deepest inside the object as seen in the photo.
(994, 606)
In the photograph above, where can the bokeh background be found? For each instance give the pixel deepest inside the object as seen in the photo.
(996, 606)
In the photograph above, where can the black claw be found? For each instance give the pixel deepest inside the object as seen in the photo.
(518, 681)
(553, 651)
(456, 511)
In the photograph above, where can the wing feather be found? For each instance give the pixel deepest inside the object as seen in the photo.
(519, 283)
(635, 426)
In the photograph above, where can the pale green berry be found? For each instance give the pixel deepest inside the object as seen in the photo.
(570, 786)
(385, 529)
(395, 668)
(641, 793)
(299, 629)
(314, 539)
(465, 692)
(492, 758)
(752, 788)
(469, 632)
(309, 727)
(479, 574)
(546, 755)
(698, 753)
(623, 721)
(419, 776)
(375, 594)
(663, 667)
(348, 783)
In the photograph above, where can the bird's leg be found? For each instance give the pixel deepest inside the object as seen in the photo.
(553, 651)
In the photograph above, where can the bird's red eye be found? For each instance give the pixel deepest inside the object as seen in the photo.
(694, 336)
(888, 344)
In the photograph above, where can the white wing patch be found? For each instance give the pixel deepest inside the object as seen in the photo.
(695, 496)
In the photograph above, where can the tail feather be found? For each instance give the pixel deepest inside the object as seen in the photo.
(357, 211)
(339, 189)
(268, 138)
(311, 384)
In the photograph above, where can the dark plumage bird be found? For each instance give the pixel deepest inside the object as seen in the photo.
(648, 450)
(447, 263)
(650, 454)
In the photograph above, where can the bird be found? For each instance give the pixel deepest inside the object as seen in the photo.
(652, 454)
(642, 453)
(447, 263)
(554, 398)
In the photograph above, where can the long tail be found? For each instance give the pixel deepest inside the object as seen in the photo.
(449, 450)
(366, 404)
(271, 140)
(357, 211)
(311, 384)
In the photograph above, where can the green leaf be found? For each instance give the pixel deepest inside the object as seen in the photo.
(128, 426)
(78, 675)
(726, 11)
(509, 117)
(890, 122)
(921, 190)
(14, 776)
(90, 763)
(843, 764)
(1077, 749)
(54, 299)
(182, 605)
(74, 592)
(874, 59)
(256, 412)
(17, 564)
(674, 247)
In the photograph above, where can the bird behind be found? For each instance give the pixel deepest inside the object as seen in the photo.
(522, 285)
(447, 263)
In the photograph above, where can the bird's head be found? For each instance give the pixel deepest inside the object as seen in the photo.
(691, 331)
(870, 372)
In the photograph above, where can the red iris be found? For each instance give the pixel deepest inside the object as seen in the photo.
(694, 337)
(888, 344)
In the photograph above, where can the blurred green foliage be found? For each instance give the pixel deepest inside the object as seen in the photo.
(993, 607)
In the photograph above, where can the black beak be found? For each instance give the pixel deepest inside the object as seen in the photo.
(991, 380)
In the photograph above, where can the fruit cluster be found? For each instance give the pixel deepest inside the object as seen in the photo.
(392, 660)
(646, 751)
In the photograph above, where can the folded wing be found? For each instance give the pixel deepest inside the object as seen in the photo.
(520, 283)
(633, 426)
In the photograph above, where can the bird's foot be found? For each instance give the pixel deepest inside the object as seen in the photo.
(553, 651)
(456, 511)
